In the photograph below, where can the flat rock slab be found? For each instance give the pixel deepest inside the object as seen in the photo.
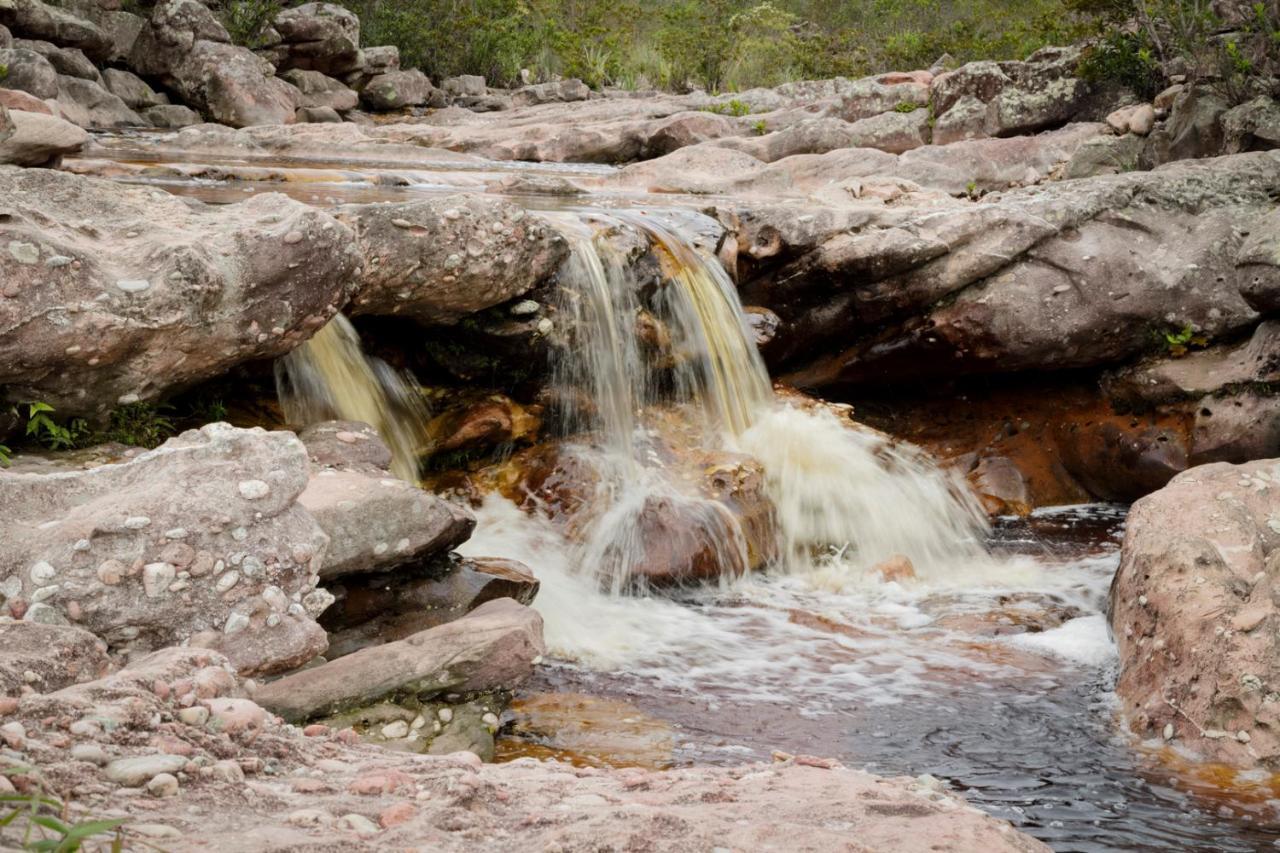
(491, 648)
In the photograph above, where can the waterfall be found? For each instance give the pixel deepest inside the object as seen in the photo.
(330, 377)
(653, 378)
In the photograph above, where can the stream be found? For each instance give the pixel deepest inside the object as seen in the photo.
(989, 668)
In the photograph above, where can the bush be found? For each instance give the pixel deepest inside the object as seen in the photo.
(1127, 59)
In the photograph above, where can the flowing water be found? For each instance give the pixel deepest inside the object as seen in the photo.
(988, 664)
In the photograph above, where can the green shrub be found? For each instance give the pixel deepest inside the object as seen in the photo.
(1125, 58)
(247, 20)
(139, 425)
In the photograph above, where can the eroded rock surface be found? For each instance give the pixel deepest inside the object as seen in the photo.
(1194, 616)
(232, 563)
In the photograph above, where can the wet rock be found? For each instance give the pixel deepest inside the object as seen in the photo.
(403, 602)
(259, 554)
(36, 140)
(29, 72)
(48, 657)
(396, 90)
(457, 255)
(320, 91)
(1193, 612)
(492, 647)
(157, 305)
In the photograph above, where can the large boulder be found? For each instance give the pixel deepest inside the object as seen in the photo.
(37, 20)
(113, 294)
(35, 139)
(65, 60)
(491, 648)
(30, 72)
(171, 33)
(321, 37)
(396, 90)
(1252, 126)
(233, 86)
(201, 540)
(1194, 614)
(439, 260)
(1066, 275)
(172, 116)
(1008, 98)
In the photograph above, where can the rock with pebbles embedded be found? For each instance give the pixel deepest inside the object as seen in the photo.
(1194, 615)
(112, 294)
(439, 260)
(491, 648)
(45, 658)
(376, 521)
(202, 540)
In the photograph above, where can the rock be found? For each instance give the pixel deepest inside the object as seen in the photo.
(493, 647)
(398, 604)
(65, 60)
(465, 85)
(87, 104)
(1008, 98)
(459, 255)
(6, 38)
(563, 91)
(895, 569)
(124, 511)
(36, 140)
(317, 115)
(1106, 155)
(163, 785)
(1137, 119)
(29, 72)
(171, 33)
(1193, 612)
(16, 99)
(1194, 128)
(1137, 258)
(36, 20)
(140, 330)
(1252, 126)
(375, 522)
(871, 97)
(172, 116)
(141, 770)
(346, 446)
(48, 657)
(396, 90)
(321, 91)
(132, 89)
(321, 37)
(232, 86)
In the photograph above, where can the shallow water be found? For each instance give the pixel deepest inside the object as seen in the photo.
(1003, 691)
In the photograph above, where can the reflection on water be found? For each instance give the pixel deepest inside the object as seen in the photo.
(1004, 692)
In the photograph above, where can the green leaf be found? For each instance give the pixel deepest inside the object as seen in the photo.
(38, 407)
(50, 822)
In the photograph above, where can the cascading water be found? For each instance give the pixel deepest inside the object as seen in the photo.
(330, 377)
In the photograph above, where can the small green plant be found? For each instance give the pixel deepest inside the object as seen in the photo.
(248, 20)
(140, 425)
(971, 189)
(760, 127)
(734, 107)
(907, 107)
(1178, 343)
(1126, 58)
(5, 456)
(44, 822)
(51, 434)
